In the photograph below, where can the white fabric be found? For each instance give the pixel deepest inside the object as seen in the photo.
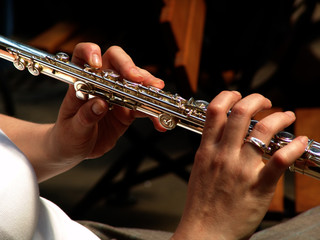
(55, 224)
(23, 214)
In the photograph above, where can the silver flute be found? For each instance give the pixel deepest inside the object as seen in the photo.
(171, 109)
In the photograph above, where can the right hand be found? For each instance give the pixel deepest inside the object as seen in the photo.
(230, 187)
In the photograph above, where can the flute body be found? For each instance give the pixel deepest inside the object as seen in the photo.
(171, 109)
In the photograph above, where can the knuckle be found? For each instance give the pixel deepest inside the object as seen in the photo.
(257, 95)
(280, 158)
(92, 47)
(213, 157)
(87, 47)
(83, 120)
(262, 128)
(215, 109)
(219, 107)
(225, 92)
(203, 157)
(114, 48)
(201, 160)
(239, 110)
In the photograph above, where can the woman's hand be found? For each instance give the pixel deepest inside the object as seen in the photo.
(87, 129)
(230, 187)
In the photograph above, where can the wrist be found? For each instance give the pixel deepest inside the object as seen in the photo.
(196, 229)
(56, 158)
(46, 161)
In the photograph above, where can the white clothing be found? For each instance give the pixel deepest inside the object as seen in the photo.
(23, 213)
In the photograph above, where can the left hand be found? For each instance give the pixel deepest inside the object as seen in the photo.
(87, 129)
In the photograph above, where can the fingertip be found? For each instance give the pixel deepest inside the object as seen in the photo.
(160, 128)
(160, 83)
(289, 153)
(150, 80)
(91, 112)
(95, 60)
(290, 114)
(87, 53)
(98, 108)
(303, 139)
(157, 125)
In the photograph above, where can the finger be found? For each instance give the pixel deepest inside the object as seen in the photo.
(155, 120)
(89, 53)
(265, 129)
(88, 115)
(70, 104)
(240, 117)
(157, 124)
(216, 115)
(150, 80)
(116, 58)
(280, 161)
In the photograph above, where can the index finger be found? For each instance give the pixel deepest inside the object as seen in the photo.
(89, 53)
(240, 117)
(216, 116)
(116, 58)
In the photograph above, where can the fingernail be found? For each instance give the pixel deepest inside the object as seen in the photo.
(290, 113)
(97, 108)
(96, 60)
(304, 140)
(160, 83)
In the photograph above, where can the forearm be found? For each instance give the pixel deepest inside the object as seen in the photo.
(34, 141)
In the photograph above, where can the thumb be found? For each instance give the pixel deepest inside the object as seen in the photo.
(89, 114)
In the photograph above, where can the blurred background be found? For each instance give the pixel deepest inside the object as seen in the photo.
(199, 48)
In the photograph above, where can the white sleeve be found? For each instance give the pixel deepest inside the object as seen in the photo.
(23, 214)
(19, 193)
(54, 224)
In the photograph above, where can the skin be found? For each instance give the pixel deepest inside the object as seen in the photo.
(230, 187)
(84, 129)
